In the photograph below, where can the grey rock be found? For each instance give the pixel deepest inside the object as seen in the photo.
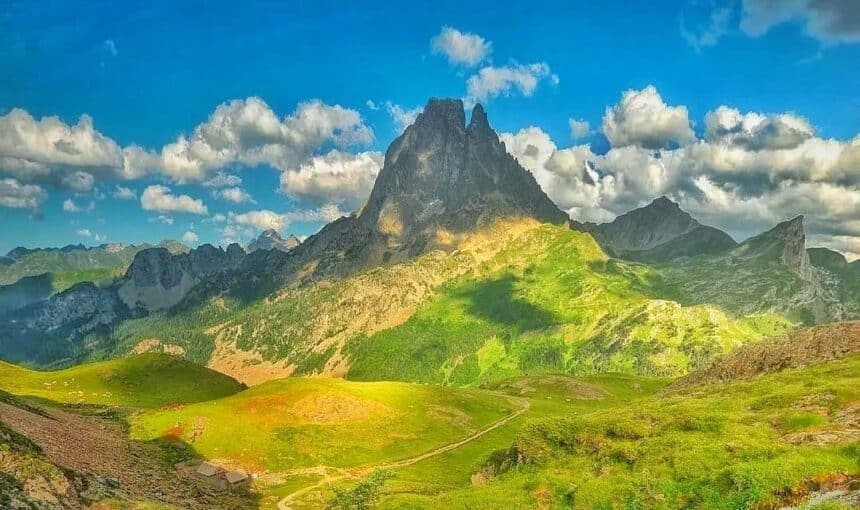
(272, 240)
(658, 232)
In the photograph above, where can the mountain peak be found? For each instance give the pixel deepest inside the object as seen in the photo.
(270, 239)
(442, 112)
(785, 242)
(479, 119)
(646, 227)
(664, 202)
(441, 174)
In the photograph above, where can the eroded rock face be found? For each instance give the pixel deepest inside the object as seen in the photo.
(83, 305)
(785, 242)
(157, 280)
(441, 173)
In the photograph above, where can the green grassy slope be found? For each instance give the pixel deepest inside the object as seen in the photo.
(551, 301)
(145, 381)
(739, 445)
(518, 300)
(305, 422)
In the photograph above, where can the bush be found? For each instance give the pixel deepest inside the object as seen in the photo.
(363, 495)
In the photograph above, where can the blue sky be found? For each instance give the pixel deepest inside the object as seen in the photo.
(148, 75)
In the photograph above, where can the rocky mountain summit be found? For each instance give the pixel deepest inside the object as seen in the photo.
(443, 174)
(440, 178)
(157, 280)
(271, 240)
(658, 232)
(785, 242)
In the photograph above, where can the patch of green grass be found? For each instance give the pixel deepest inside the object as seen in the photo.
(713, 447)
(145, 381)
(302, 422)
(100, 276)
(552, 302)
(545, 300)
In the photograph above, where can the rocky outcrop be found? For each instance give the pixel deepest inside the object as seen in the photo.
(157, 280)
(659, 232)
(272, 240)
(768, 272)
(797, 349)
(785, 242)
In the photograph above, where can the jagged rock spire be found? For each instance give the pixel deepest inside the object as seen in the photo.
(442, 173)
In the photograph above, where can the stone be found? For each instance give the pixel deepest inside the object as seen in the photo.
(207, 469)
(235, 477)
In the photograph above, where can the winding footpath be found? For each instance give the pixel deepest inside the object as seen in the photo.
(343, 474)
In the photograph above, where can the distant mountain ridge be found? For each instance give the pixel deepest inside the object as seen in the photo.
(659, 232)
(271, 240)
(770, 271)
(73, 258)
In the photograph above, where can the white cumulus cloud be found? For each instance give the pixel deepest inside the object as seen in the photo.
(461, 48)
(643, 119)
(123, 193)
(248, 132)
(159, 198)
(235, 194)
(16, 195)
(491, 81)
(50, 151)
(337, 177)
(190, 237)
(69, 205)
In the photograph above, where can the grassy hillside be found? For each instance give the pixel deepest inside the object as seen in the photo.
(519, 298)
(300, 423)
(746, 444)
(551, 301)
(147, 381)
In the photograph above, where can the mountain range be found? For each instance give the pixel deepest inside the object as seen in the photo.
(453, 227)
(481, 348)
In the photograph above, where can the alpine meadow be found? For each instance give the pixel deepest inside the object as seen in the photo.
(561, 255)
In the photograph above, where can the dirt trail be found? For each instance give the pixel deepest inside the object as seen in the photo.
(96, 446)
(284, 504)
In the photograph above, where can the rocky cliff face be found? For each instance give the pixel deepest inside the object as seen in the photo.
(271, 240)
(785, 242)
(157, 280)
(443, 174)
(440, 178)
(658, 232)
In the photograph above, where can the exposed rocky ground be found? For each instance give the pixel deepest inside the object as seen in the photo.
(797, 349)
(96, 460)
